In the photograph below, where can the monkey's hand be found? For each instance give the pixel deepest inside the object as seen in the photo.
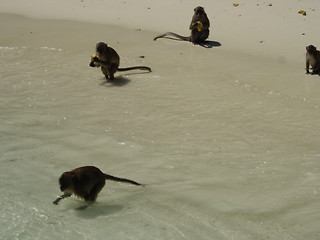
(94, 64)
(94, 61)
(61, 197)
(94, 58)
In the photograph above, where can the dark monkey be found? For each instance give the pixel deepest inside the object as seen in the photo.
(313, 59)
(85, 182)
(108, 59)
(199, 28)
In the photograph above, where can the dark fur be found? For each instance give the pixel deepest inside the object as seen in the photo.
(86, 183)
(313, 59)
(108, 59)
(196, 36)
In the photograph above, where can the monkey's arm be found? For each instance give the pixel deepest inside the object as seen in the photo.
(96, 62)
(61, 197)
(196, 21)
(193, 24)
(307, 67)
(102, 63)
(199, 25)
(206, 24)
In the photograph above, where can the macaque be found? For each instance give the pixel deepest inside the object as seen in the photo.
(199, 28)
(108, 59)
(86, 183)
(313, 59)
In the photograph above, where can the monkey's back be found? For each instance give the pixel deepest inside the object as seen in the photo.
(87, 178)
(115, 56)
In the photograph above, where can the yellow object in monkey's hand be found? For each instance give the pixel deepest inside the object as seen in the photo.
(93, 60)
(92, 57)
(200, 26)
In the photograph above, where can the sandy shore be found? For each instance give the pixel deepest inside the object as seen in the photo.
(259, 27)
(271, 33)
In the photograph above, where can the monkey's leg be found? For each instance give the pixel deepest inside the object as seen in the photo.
(199, 37)
(316, 70)
(205, 34)
(92, 196)
(307, 66)
(61, 197)
(105, 72)
(112, 70)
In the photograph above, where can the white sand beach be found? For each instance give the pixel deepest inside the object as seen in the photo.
(274, 33)
(226, 137)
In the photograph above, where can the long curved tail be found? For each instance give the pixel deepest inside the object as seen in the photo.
(183, 38)
(112, 178)
(133, 68)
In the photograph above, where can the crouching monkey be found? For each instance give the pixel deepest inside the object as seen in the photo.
(108, 59)
(313, 59)
(86, 183)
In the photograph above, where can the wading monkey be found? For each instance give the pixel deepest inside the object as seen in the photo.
(108, 59)
(86, 183)
(313, 59)
(199, 28)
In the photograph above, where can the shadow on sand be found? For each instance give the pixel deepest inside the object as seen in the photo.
(205, 44)
(209, 44)
(94, 211)
(118, 81)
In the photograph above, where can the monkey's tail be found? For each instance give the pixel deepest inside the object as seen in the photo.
(174, 35)
(112, 178)
(132, 68)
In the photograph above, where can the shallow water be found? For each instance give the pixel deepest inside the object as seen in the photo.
(224, 154)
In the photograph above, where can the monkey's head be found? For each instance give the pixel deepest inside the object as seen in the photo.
(66, 182)
(311, 49)
(101, 48)
(198, 10)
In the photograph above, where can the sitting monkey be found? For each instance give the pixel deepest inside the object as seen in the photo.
(199, 28)
(313, 59)
(108, 59)
(86, 183)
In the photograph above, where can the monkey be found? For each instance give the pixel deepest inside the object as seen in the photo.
(86, 182)
(199, 27)
(108, 59)
(313, 59)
